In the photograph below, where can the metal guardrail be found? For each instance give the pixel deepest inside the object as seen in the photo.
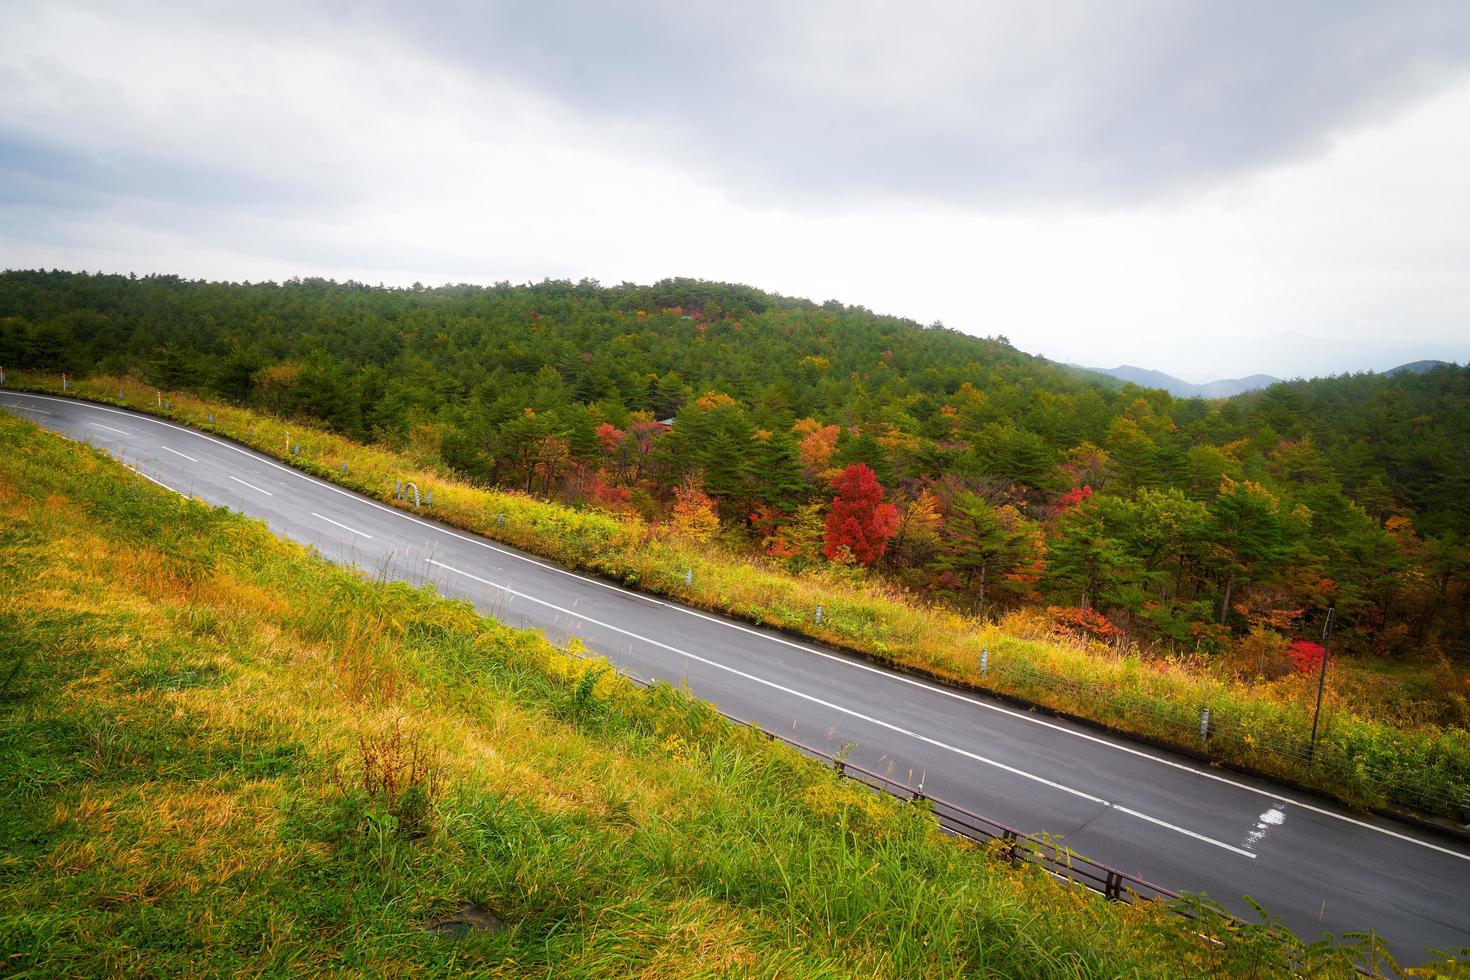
(1021, 849)
(1015, 846)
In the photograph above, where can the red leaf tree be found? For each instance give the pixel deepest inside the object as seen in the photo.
(1306, 656)
(859, 523)
(1074, 497)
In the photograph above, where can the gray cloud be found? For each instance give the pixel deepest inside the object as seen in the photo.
(983, 102)
(1102, 182)
(824, 103)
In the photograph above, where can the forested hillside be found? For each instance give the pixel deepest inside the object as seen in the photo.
(954, 465)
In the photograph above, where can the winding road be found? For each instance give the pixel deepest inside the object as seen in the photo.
(1164, 818)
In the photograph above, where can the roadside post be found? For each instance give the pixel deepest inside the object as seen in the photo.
(1321, 683)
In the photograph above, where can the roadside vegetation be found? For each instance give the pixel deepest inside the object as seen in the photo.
(1262, 725)
(225, 756)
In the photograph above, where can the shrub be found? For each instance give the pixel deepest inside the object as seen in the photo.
(1306, 656)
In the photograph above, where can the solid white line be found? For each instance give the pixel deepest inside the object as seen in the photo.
(761, 680)
(157, 481)
(25, 408)
(177, 453)
(844, 710)
(110, 428)
(250, 454)
(251, 486)
(342, 526)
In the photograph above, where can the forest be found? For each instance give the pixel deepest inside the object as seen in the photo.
(950, 465)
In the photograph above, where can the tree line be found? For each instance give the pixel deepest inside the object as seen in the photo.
(953, 465)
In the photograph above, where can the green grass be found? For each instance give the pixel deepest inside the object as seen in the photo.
(1361, 759)
(225, 756)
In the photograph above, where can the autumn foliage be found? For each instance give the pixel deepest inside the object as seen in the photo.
(859, 523)
(1074, 497)
(610, 437)
(1077, 623)
(1306, 656)
(694, 512)
(816, 442)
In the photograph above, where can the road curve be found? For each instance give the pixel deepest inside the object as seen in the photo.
(1161, 817)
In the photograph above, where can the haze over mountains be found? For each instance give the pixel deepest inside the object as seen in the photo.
(1223, 388)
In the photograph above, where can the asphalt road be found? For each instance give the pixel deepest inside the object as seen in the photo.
(1163, 818)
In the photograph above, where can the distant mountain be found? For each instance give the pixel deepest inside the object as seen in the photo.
(1227, 388)
(1416, 367)
(1145, 378)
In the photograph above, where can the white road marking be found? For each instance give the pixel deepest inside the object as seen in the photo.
(342, 526)
(1022, 716)
(25, 408)
(1271, 818)
(177, 453)
(251, 486)
(110, 428)
(844, 710)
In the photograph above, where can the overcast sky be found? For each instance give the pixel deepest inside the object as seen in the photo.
(1210, 189)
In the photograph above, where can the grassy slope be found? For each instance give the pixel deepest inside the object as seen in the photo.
(1360, 761)
(184, 711)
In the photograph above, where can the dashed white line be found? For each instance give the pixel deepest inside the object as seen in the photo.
(25, 408)
(1322, 811)
(109, 428)
(844, 710)
(177, 453)
(1188, 833)
(251, 486)
(341, 525)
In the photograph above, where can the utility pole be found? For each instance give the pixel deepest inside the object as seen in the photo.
(1321, 683)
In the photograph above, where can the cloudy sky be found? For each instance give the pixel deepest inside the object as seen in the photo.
(1210, 189)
